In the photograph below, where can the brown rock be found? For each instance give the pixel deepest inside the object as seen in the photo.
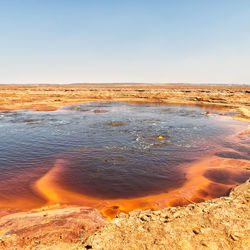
(61, 228)
(220, 225)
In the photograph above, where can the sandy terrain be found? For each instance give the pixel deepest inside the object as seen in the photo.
(60, 227)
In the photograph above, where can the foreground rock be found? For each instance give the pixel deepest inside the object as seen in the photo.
(217, 224)
(53, 228)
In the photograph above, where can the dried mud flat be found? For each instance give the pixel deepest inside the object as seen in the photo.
(216, 224)
(50, 97)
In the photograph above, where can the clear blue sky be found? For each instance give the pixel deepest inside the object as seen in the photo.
(65, 41)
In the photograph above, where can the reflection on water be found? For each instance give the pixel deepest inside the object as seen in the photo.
(128, 151)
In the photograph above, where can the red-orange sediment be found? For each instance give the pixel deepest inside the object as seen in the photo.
(205, 179)
(199, 186)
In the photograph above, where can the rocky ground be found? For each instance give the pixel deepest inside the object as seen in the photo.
(222, 223)
(50, 97)
(49, 228)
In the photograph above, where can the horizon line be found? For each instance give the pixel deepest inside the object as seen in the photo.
(124, 83)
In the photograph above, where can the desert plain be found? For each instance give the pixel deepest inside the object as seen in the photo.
(51, 97)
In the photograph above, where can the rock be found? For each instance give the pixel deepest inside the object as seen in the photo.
(216, 224)
(63, 228)
(145, 217)
(234, 237)
(157, 212)
(116, 124)
(99, 111)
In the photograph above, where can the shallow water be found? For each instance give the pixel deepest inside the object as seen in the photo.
(110, 150)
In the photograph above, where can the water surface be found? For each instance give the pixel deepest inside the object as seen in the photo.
(110, 150)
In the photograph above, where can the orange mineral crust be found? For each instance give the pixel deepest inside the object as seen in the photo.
(206, 179)
(210, 177)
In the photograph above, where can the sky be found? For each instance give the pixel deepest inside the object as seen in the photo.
(101, 41)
